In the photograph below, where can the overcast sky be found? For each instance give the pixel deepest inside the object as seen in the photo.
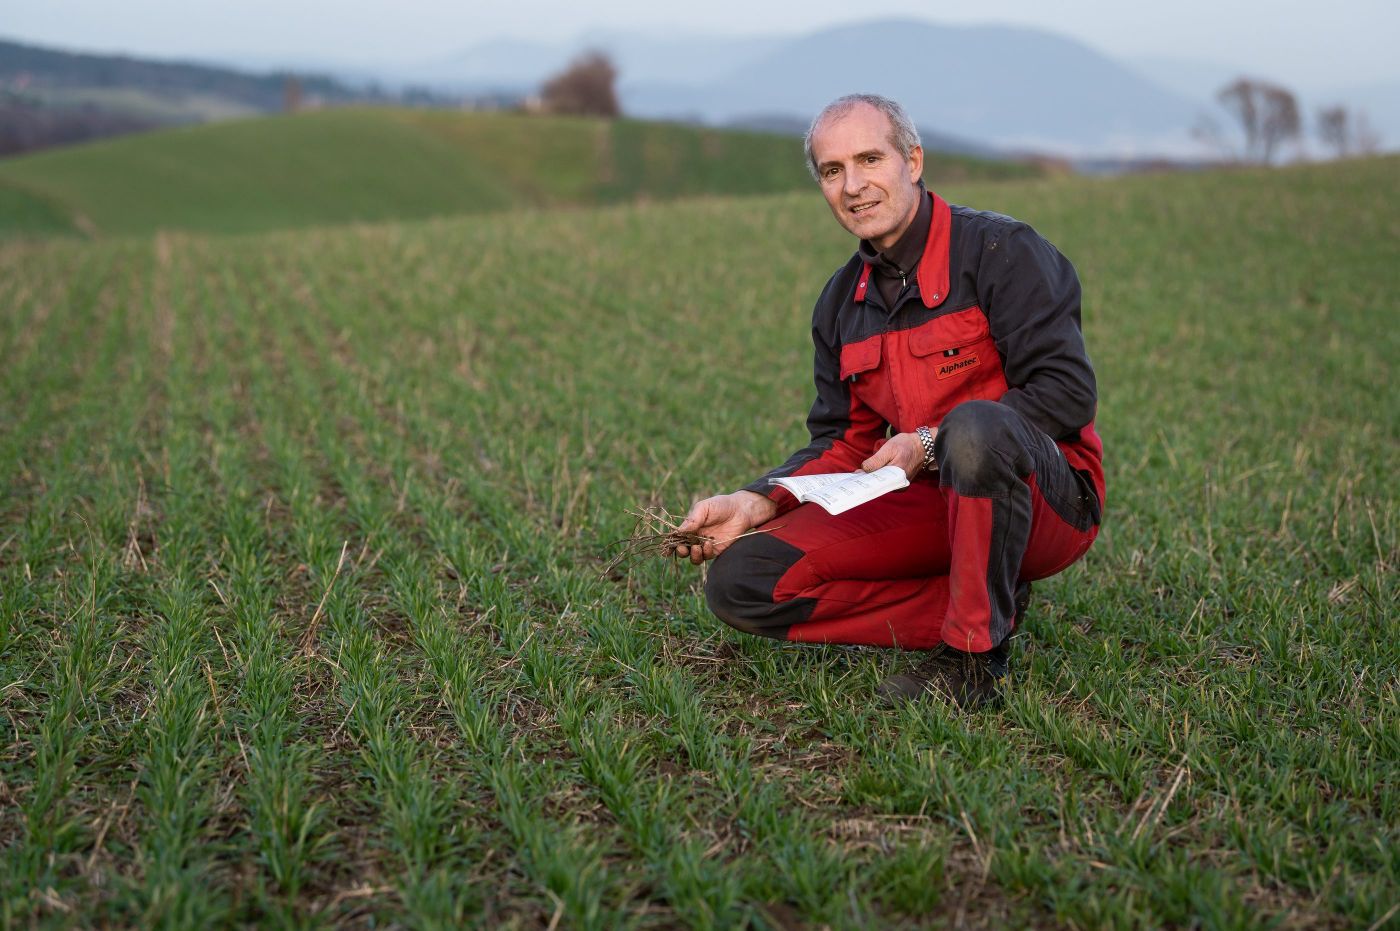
(1316, 44)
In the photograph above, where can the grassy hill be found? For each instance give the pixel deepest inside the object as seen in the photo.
(338, 166)
(305, 618)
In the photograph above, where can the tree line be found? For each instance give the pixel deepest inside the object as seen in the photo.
(1269, 119)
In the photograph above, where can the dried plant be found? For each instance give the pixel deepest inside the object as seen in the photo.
(656, 533)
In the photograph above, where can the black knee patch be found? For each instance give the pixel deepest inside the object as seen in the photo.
(979, 450)
(740, 583)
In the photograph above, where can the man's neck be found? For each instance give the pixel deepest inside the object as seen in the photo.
(894, 267)
(907, 248)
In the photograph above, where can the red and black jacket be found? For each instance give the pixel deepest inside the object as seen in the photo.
(993, 314)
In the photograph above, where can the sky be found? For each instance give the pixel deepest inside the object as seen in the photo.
(1314, 45)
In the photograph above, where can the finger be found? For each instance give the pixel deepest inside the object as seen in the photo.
(697, 555)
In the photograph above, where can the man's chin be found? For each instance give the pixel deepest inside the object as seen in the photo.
(870, 228)
(877, 233)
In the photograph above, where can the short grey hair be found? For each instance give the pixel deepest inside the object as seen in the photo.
(903, 136)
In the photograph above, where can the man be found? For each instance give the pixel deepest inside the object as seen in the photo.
(949, 346)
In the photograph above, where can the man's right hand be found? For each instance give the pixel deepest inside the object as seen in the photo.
(723, 519)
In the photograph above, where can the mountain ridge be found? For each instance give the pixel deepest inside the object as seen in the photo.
(1013, 87)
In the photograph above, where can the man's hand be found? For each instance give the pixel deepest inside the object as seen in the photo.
(903, 450)
(722, 519)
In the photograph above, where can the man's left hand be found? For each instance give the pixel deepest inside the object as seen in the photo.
(903, 450)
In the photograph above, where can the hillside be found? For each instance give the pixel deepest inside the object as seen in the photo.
(306, 619)
(340, 166)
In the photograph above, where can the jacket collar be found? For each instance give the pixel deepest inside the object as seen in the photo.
(902, 258)
(932, 273)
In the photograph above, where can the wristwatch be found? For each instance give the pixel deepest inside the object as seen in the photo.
(926, 438)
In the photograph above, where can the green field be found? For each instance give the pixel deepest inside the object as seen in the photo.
(357, 165)
(304, 617)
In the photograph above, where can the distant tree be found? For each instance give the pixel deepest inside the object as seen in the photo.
(1267, 113)
(1334, 130)
(584, 88)
(1346, 132)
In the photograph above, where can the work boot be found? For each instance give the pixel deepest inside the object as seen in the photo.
(968, 680)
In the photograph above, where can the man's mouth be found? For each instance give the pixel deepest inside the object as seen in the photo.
(861, 208)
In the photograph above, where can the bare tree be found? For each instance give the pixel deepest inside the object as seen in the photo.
(1267, 113)
(1334, 130)
(1346, 132)
(584, 88)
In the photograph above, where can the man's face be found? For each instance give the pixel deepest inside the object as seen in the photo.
(871, 189)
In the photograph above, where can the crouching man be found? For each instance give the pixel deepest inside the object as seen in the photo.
(949, 346)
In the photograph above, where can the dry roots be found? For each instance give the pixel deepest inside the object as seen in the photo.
(655, 534)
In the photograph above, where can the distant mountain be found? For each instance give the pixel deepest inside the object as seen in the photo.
(1015, 88)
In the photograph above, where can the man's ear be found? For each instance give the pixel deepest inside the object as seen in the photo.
(916, 163)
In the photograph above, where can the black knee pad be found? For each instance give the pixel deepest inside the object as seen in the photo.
(979, 450)
(740, 583)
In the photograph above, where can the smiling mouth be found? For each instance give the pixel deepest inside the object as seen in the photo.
(862, 208)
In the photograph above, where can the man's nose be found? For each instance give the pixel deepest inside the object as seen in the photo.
(855, 181)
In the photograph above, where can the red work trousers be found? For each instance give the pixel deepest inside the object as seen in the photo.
(937, 562)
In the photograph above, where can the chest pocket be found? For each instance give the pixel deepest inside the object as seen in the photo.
(954, 359)
(866, 378)
(858, 358)
(950, 334)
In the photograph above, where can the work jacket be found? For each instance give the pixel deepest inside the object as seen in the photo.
(992, 314)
